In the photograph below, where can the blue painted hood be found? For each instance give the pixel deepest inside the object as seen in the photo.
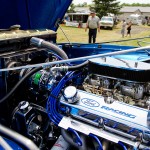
(32, 14)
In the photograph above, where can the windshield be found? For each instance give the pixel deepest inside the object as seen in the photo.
(106, 19)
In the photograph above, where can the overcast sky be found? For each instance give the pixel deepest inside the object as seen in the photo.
(122, 1)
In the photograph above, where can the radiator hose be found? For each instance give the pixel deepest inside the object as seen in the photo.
(42, 43)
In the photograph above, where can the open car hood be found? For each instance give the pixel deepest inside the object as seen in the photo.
(33, 14)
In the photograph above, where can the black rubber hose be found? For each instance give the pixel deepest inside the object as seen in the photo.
(42, 43)
(77, 67)
(19, 83)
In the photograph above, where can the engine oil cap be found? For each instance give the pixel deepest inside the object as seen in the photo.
(71, 94)
(23, 105)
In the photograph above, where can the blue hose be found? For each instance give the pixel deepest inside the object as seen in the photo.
(55, 116)
(52, 101)
(134, 148)
(97, 140)
(115, 125)
(122, 145)
(49, 115)
(78, 139)
(58, 88)
(52, 113)
(131, 130)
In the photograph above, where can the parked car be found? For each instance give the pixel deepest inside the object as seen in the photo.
(135, 19)
(107, 22)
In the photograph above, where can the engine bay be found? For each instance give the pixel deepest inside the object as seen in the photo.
(101, 103)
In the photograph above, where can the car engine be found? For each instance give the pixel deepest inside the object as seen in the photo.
(129, 83)
(102, 103)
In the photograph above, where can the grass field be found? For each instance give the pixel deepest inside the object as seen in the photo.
(79, 34)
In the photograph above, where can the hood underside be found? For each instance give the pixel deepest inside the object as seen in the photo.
(33, 14)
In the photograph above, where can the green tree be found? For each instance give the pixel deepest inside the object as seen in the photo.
(84, 4)
(79, 5)
(135, 4)
(71, 8)
(103, 7)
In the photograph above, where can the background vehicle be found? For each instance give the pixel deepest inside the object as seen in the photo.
(107, 22)
(135, 19)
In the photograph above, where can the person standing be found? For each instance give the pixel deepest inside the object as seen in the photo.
(123, 28)
(129, 29)
(93, 25)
